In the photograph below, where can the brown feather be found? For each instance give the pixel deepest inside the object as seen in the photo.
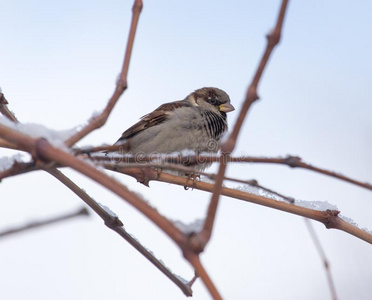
(154, 118)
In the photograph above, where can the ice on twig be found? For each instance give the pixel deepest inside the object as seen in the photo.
(184, 281)
(195, 226)
(7, 162)
(259, 191)
(316, 205)
(352, 222)
(108, 210)
(55, 137)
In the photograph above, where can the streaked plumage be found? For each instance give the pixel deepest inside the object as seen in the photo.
(196, 123)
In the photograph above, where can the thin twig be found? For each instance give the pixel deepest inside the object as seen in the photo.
(272, 40)
(290, 160)
(323, 257)
(4, 109)
(121, 86)
(199, 269)
(38, 224)
(116, 225)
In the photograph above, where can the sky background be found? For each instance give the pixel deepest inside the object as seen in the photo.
(59, 61)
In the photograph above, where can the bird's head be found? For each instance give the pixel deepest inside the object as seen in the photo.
(212, 99)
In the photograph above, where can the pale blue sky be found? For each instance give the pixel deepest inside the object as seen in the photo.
(58, 65)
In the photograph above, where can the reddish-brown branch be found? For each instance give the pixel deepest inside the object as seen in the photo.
(47, 152)
(329, 218)
(114, 223)
(4, 109)
(199, 269)
(121, 86)
(42, 150)
(227, 147)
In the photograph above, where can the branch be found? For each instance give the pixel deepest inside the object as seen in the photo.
(291, 161)
(4, 109)
(227, 147)
(329, 218)
(323, 258)
(114, 223)
(34, 225)
(98, 121)
(202, 273)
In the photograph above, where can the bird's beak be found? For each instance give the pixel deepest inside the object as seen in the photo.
(226, 107)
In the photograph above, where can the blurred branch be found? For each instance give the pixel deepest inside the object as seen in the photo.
(35, 225)
(323, 258)
(202, 273)
(121, 86)
(4, 109)
(18, 168)
(114, 223)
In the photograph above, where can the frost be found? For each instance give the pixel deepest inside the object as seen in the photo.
(7, 162)
(259, 191)
(352, 222)
(108, 210)
(349, 220)
(205, 179)
(187, 229)
(96, 113)
(55, 137)
(183, 280)
(316, 205)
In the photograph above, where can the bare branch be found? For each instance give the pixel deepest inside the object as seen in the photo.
(35, 225)
(272, 40)
(114, 223)
(329, 217)
(202, 273)
(291, 161)
(323, 258)
(4, 109)
(121, 86)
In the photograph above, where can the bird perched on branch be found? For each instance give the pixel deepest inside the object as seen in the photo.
(196, 123)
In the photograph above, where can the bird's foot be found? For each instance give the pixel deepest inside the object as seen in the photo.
(192, 177)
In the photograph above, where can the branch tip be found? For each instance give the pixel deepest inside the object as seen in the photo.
(137, 6)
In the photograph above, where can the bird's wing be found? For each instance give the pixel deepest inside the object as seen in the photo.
(158, 116)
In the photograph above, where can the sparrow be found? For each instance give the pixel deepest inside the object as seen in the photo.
(196, 123)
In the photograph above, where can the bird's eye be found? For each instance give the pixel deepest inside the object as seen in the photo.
(213, 101)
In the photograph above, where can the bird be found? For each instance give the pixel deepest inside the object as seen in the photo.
(196, 123)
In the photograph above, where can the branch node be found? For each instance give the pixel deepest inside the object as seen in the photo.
(36, 153)
(113, 222)
(273, 37)
(137, 5)
(292, 161)
(331, 217)
(122, 85)
(196, 242)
